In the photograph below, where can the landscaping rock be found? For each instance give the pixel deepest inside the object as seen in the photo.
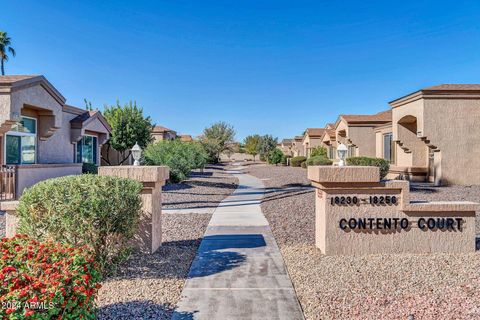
(202, 190)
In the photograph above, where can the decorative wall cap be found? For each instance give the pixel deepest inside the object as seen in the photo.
(139, 173)
(346, 174)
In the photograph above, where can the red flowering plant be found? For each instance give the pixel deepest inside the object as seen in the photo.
(46, 280)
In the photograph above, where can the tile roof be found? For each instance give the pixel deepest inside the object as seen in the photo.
(439, 90)
(15, 78)
(7, 83)
(331, 133)
(384, 116)
(287, 141)
(298, 138)
(89, 115)
(315, 132)
(186, 138)
(160, 129)
(454, 87)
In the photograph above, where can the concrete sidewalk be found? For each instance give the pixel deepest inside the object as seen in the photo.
(238, 272)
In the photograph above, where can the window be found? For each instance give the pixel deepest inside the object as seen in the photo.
(21, 141)
(87, 150)
(351, 151)
(331, 152)
(388, 147)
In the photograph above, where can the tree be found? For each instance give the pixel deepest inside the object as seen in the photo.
(252, 144)
(267, 144)
(319, 151)
(276, 156)
(129, 126)
(5, 47)
(217, 139)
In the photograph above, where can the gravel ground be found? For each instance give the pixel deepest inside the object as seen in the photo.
(149, 286)
(202, 190)
(408, 286)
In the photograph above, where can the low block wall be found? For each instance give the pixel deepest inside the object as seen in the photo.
(357, 214)
(28, 175)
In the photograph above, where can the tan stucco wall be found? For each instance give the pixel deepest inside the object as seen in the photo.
(310, 143)
(58, 148)
(379, 132)
(28, 175)
(236, 156)
(364, 139)
(450, 127)
(36, 96)
(453, 126)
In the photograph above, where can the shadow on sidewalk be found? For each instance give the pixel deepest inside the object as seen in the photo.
(217, 253)
(140, 309)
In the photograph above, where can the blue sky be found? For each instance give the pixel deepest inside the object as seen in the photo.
(273, 67)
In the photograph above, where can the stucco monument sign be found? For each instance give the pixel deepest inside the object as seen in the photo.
(356, 214)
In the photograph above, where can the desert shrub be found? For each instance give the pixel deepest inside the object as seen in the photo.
(180, 157)
(383, 164)
(319, 152)
(319, 161)
(89, 168)
(46, 280)
(275, 157)
(297, 161)
(100, 212)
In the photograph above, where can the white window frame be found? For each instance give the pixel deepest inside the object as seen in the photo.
(96, 152)
(392, 151)
(21, 134)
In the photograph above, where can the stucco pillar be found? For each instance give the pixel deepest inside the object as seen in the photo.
(11, 219)
(149, 236)
(358, 214)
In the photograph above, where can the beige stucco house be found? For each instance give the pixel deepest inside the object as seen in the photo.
(436, 131)
(357, 132)
(312, 139)
(286, 146)
(162, 133)
(297, 147)
(41, 136)
(329, 141)
(186, 138)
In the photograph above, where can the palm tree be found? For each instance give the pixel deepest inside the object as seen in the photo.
(5, 42)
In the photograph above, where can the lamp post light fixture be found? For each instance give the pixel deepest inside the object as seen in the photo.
(136, 154)
(342, 154)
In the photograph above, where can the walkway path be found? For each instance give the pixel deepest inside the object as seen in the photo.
(238, 272)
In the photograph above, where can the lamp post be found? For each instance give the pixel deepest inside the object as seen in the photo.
(342, 154)
(136, 153)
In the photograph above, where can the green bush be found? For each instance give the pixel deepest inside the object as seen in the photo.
(100, 212)
(275, 157)
(304, 165)
(46, 280)
(319, 151)
(319, 161)
(89, 168)
(180, 157)
(297, 161)
(383, 164)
